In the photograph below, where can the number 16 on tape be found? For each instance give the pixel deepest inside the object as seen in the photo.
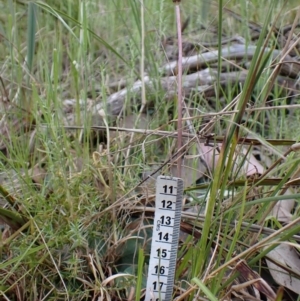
(166, 227)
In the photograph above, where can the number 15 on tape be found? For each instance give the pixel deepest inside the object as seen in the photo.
(166, 227)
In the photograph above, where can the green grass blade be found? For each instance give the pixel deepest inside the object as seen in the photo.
(204, 288)
(58, 14)
(228, 147)
(141, 259)
(16, 260)
(14, 220)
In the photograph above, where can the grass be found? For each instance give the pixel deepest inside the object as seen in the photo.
(71, 196)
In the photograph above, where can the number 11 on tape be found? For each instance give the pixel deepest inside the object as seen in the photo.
(166, 227)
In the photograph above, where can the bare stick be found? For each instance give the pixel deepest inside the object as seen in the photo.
(179, 86)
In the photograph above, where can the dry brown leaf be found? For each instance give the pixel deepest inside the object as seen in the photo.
(191, 171)
(253, 278)
(251, 165)
(37, 174)
(210, 155)
(282, 209)
(285, 255)
(194, 167)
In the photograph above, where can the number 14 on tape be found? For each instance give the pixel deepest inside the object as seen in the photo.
(166, 227)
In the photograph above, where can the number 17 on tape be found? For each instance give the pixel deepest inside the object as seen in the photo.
(166, 227)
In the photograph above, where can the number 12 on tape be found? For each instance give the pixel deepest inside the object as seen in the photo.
(166, 227)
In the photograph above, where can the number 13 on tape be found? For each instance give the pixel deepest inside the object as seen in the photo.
(166, 227)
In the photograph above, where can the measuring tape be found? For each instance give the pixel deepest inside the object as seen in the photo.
(166, 227)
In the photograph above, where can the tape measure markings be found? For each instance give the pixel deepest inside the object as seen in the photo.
(163, 256)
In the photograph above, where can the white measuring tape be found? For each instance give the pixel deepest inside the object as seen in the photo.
(166, 227)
